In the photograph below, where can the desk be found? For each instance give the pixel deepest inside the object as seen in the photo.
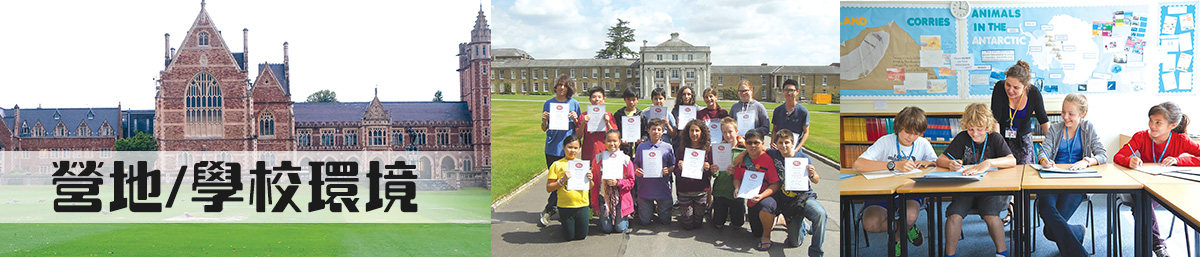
(1177, 198)
(1006, 181)
(1147, 178)
(859, 188)
(1112, 181)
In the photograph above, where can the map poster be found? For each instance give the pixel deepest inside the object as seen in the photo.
(898, 51)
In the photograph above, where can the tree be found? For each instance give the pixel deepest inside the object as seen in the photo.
(437, 97)
(139, 142)
(615, 48)
(323, 96)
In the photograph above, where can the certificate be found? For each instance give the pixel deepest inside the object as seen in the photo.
(612, 167)
(631, 129)
(652, 165)
(687, 113)
(558, 116)
(795, 139)
(751, 183)
(657, 112)
(693, 163)
(746, 121)
(722, 156)
(714, 131)
(596, 118)
(578, 170)
(795, 174)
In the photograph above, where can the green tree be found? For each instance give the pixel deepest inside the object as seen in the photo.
(139, 142)
(437, 97)
(323, 96)
(615, 48)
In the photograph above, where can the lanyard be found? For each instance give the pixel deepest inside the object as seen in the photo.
(1072, 142)
(901, 152)
(1158, 158)
(985, 139)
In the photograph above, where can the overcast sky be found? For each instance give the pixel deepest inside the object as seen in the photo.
(99, 53)
(739, 32)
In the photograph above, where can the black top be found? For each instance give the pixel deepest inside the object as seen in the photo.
(962, 148)
(1034, 108)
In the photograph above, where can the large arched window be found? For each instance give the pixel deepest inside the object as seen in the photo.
(203, 107)
(266, 124)
(204, 38)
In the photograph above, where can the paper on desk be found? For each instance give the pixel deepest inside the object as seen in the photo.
(1153, 169)
(886, 173)
(965, 167)
(1061, 170)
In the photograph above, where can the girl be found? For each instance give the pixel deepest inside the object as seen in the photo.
(573, 205)
(983, 147)
(593, 142)
(693, 193)
(1163, 143)
(614, 202)
(712, 109)
(564, 89)
(1072, 141)
(685, 96)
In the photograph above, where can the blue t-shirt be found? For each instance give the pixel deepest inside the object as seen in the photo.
(794, 121)
(1069, 151)
(554, 138)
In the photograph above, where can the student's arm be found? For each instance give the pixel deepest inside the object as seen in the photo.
(944, 161)
(1099, 154)
(1003, 162)
(812, 174)
(772, 177)
(763, 123)
(803, 138)
(612, 122)
(737, 160)
(626, 183)
(1125, 155)
(776, 117)
(552, 180)
(1049, 148)
(545, 116)
(1190, 147)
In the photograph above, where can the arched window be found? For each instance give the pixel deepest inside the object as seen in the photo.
(60, 130)
(203, 106)
(105, 130)
(266, 124)
(83, 130)
(204, 38)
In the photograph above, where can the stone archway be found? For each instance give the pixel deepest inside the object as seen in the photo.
(425, 168)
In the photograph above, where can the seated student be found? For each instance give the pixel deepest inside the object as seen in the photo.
(1072, 141)
(693, 193)
(903, 151)
(761, 207)
(612, 199)
(1164, 143)
(795, 206)
(572, 205)
(725, 205)
(654, 194)
(978, 145)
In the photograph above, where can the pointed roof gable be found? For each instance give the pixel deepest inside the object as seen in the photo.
(217, 41)
(273, 71)
(376, 113)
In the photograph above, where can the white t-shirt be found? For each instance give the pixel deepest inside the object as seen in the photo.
(884, 149)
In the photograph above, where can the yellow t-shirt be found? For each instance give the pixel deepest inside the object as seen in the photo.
(566, 198)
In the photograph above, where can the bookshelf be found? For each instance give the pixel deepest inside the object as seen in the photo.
(860, 130)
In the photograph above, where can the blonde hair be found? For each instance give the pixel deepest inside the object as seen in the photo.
(977, 115)
(1078, 100)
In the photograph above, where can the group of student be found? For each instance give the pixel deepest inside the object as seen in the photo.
(713, 195)
(982, 146)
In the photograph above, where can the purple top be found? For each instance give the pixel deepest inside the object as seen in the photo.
(655, 188)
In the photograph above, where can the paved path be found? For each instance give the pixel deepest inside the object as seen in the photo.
(515, 231)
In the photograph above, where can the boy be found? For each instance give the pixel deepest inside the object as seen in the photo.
(903, 151)
(658, 97)
(654, 194)
(761, 207)
(631, 101)
(724, 205)
(791, 115)
(984, 148)
(593, 142)
(797, 205)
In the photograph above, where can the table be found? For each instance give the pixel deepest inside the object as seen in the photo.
(1006, 181)
(1177, 198)
(859, 188)
(1147, 178)
(1113, 180)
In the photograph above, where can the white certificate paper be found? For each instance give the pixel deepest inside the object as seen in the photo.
(687, 113)
(795, 139)
(596, 118)
(578, 170)
(612, 167)
(746, 121)
(631, 129)
(652, 165)
(558, 116)
(795, 174)
(693, 163)
(751, 183)
(722, 156)
(657, 112)
(714, 131)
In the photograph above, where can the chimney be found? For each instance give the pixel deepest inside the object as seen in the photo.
(675, 36)
(166, 49)
(246, 47)
(285, 62)
(172, 51)
(764, 64)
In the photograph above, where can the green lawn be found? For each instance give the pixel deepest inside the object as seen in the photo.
(517, 138)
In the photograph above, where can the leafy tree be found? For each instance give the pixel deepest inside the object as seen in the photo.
(323, 96)
(615, 48)
(437, 97)
(139, 142)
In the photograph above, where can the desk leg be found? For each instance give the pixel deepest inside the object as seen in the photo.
(1142, 234)
(846, 221)
(902, 225)
(1110, 223)
(932, 229)
(891, 219)
(1020, 229)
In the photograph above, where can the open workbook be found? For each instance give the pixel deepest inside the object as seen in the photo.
(1188, 173)
(1056, 172)
(953, 176)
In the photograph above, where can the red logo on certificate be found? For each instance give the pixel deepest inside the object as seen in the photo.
(713, 126)
(658, 110)
(745, 116)
(754, 176)
(651, 154)
(694, 154)
(687, 109)
(579, 165)
(559, 107)
(796, 163)
(596, 109)
(722, 148)
(630, 120)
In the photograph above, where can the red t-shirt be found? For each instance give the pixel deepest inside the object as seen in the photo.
(1147, 150)
(593, 142)
(762, 164)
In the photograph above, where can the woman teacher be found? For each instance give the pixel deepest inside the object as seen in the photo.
(1014, 104)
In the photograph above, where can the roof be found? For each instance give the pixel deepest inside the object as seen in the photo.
(70, 117)
(240, 58)
(675, 41)
(773, 69)
(563, 63)
(277, 69)
(400, 111)
(510, 53)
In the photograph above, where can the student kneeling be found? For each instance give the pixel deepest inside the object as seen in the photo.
(983, 148)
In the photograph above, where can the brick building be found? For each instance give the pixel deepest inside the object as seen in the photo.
(767, 80)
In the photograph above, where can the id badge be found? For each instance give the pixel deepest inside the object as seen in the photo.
(1009, 133)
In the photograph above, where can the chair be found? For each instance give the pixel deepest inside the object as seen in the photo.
(858, 225)
(1121, 201)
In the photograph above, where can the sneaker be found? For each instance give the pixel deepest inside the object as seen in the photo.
(897, 250)
(545, 219)
(1160, 251)
(914, 237)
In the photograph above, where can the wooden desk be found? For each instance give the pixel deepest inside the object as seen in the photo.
(1146, 178)
(1178, 197)
(859, 188)
(1111, 178)
(859, 185)
(1008, 179)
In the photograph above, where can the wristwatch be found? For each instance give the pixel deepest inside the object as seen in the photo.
(892, 165)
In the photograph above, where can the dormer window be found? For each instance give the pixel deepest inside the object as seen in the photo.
(204, 38)
(57, 116)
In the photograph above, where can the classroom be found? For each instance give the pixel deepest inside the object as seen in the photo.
(1115, 76)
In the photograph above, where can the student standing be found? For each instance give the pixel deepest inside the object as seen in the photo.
(685, 96)
(712, 108)
(631, 101)
(1015, 102)
(983, 148)
(903, 151)
(1072, 141)
(572, 205)
(593, 142)
(747, 103)
(791, 115)
(658, 97)
(564, 89)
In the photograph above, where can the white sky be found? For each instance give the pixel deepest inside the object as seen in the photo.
(739, 32)
(98, 53)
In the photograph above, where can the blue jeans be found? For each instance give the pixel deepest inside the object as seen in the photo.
(1056, 210)
(606, 223)
(815, 213)
(646, 208)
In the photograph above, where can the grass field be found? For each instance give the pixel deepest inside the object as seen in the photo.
(517, 138)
